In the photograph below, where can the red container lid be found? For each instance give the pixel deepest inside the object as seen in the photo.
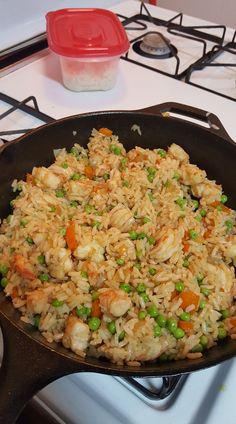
(86, 33)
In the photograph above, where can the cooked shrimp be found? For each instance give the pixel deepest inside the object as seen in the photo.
(169, 242)
(178, 153)
(23, 267)
(46, 178)
(208, 190)
(92, 250)
(76, 335)
(62, 173)
(222, 275)
(122, 218)
(62, 265)
(79, 190)
(36, 301)
(230, 251)
(191, 174)
(125, 249)
(114, 301)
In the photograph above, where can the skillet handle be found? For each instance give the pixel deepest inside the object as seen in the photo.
(27, 367)
(207, 119)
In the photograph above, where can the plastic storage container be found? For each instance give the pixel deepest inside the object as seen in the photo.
(89, 43)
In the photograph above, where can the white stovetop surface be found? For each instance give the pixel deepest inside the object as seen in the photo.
(207, 396)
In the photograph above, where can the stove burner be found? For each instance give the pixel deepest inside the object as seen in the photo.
(155, 46)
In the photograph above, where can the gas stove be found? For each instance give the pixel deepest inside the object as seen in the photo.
(172, 58)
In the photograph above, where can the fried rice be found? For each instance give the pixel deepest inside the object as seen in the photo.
(126, 255)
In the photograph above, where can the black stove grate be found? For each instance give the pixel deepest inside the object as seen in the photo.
(198, 34)
(209, 62)
(169, 388)
(23, 106)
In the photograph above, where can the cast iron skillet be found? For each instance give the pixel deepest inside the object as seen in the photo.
(29, 362)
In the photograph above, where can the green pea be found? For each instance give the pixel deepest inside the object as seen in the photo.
(121, 336)
(89, 208)
(138, 265)
(94, 323)
(197, 348)
(179, 286)
(4, 269)
(193, 234)
(64, 165)
(151, 241)
(186, 262)
(115, 149)
(151, 197)
(62, 231)
(52, 209)
(133, 235)
(195, 204)
(222, 333)
(44, 277)
(224, 198)
(83, 311)
(185, 316)
(74, 203)
(139, 254)
(96, 224)
(152, 311)
(150, 178)
(83, 274)
(76, 177)
(229, 224)
(202, 304)
(205, 291)
(4, 282)
(141, 288)
(125, 183)
(157, 330)
(176, 176)
(161, 152)
(60, 193)
(178, 333)
(180, 202)
(111, 326)
(171, 325)
(142, 315)
(75, 152)
(125, 287)
(146, 220)
(23, 222)
(141, 236)
(203, 212)
(200, 278)
(144, 297)
(120, 261)
(225, 313)
(161, 320)
(36, 321)
(106, 177)
(152, 271)
(94, 295)
(57, 303)
(41, 259)
(198, 218)
(204, 340)
(29, 240)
